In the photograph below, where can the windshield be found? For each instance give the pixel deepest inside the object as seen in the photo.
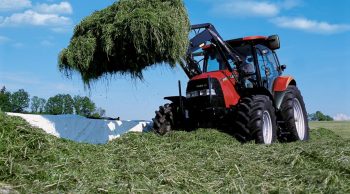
(246, 55)
(215, 62)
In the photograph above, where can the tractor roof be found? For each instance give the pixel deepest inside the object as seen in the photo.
(251, 39)
(239, 41)
(272, 42)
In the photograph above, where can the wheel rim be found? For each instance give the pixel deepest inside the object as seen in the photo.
(267, 128)
(299, 119)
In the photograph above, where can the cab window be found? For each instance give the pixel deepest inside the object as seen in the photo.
(271, 60)
(262, 63)
(214, 61)
(246, 54)
(268, 65)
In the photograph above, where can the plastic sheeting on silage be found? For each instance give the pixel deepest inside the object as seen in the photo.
(83, 130)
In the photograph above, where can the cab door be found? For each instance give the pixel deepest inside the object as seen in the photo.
(268, 66)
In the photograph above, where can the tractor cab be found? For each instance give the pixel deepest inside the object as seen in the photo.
(250, 61)
(258, 65)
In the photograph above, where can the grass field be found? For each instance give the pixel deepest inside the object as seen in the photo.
(341, 128)
(203, 161)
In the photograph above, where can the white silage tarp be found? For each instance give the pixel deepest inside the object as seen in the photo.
(84, 130)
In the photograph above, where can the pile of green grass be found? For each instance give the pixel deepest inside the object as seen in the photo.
(197, 162)
(126, 38)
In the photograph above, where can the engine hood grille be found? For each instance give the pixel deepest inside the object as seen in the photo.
(202, 102)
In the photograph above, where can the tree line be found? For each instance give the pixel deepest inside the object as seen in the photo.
(20, 102)
(319, 116)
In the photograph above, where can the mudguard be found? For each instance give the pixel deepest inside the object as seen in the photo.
(176, 99)
(280, 86)
(282, 83)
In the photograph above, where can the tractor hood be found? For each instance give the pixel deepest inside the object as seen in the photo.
(221, 82)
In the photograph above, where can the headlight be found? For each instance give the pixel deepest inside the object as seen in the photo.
(192, 94)
(205, 92)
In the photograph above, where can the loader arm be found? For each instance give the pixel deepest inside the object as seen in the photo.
(204, 33)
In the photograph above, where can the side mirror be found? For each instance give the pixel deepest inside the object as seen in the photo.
(274, 42)
(283, 67)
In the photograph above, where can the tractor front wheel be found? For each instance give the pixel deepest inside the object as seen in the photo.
(293, 114)
(164, 120)
(256, 120)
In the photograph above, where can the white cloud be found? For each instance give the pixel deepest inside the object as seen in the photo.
(253, 8)
(3, 39)
(34, 18)
(310, 25)
(61, 8)
(342, 117)
(247, 8)
(39, 15)
(9, 5)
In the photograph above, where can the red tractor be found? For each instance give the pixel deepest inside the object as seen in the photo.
(236, 85)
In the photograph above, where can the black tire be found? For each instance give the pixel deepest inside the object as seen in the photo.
(289, 126)
(164, 120)
(249, 120)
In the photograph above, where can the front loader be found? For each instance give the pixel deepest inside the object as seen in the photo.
(237, 85)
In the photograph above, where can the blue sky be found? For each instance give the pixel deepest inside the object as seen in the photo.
(315, 39)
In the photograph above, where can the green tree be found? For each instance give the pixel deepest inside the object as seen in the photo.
(312, 117)
(5, 104)
(19, 101)
(60, 104)
(38, 105)
(84, 106)
(42, 103)
(329, 118)
(99, 113)
(319, 116)
(68, 104)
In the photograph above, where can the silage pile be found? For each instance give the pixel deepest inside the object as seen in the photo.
(126, 38)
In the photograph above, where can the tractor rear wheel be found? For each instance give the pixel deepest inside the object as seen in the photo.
(164, 120)
(293, 114)
(256, 120)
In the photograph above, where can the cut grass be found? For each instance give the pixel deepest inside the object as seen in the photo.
(126, 38)
(341, 128)
(197, 162)
(7, 189)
